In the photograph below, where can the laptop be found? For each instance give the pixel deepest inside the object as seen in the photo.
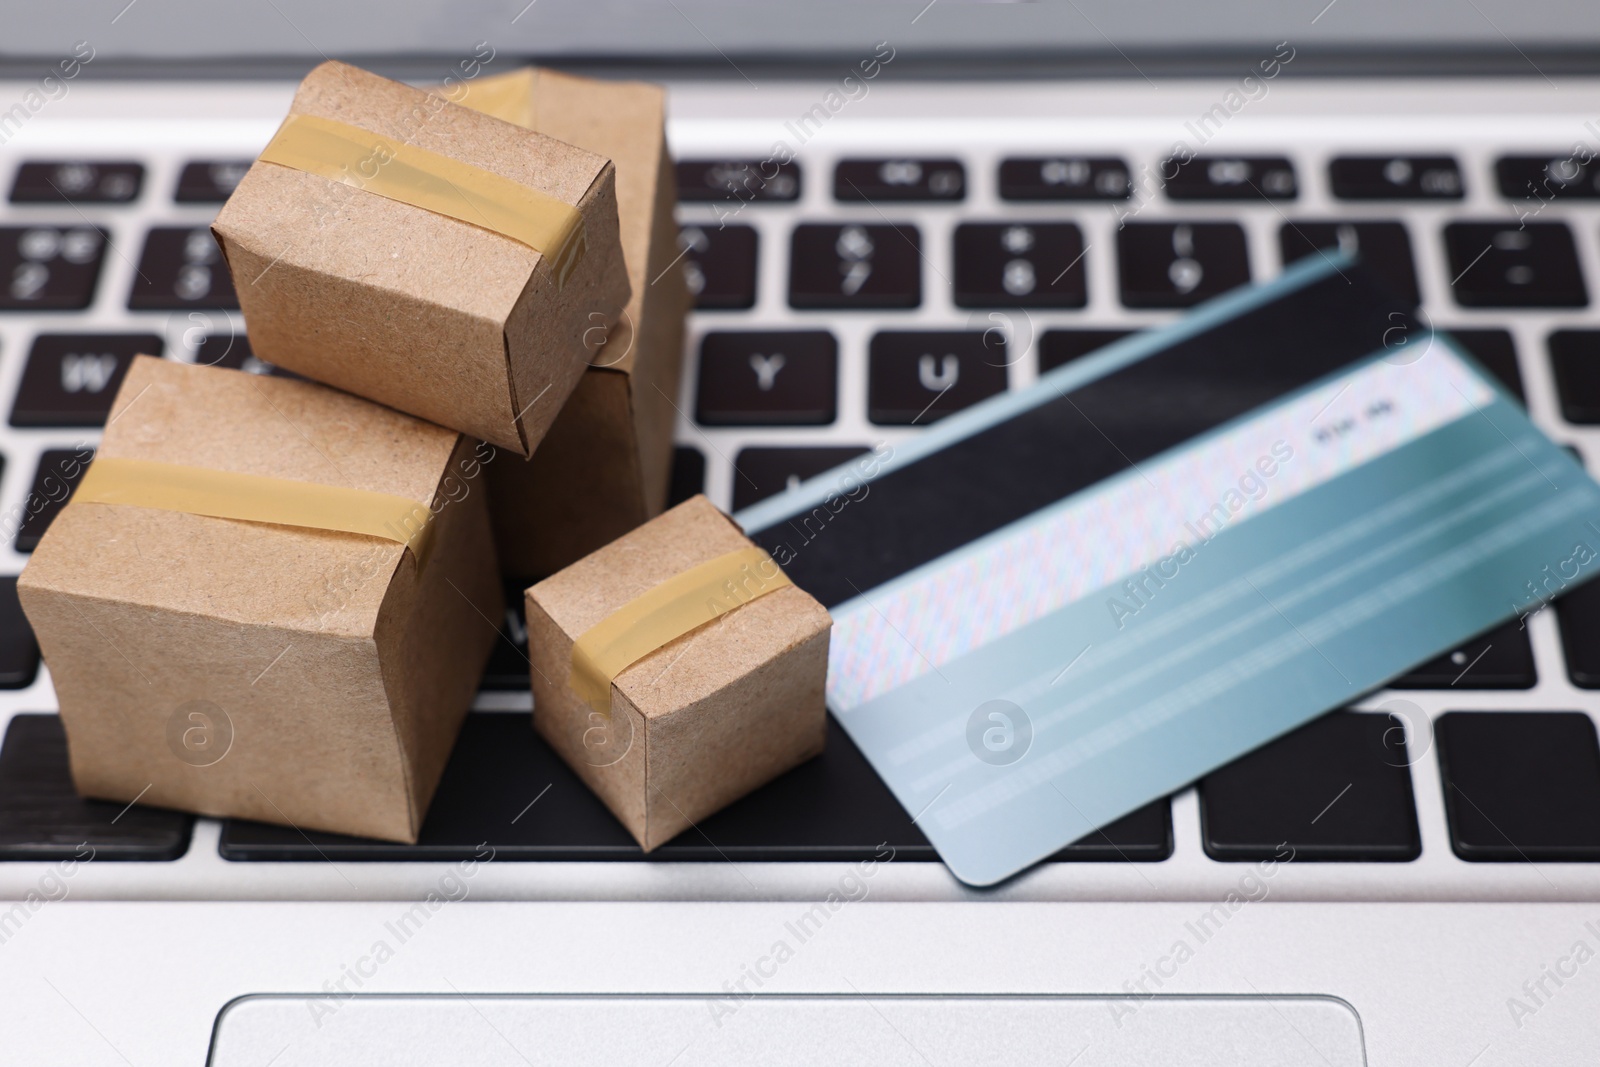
(1177, 151)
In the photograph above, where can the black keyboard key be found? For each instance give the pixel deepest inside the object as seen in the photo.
(1499, 265)
(1498, 354)
(181, 267)
(19, 652)
(1064, 178)
(233, 352)
(504, 787)
(49, 268)
(1144, 835)
(858, 180)
(1396, 178)
(77, 182)
(1057, 348)
(1499, 659)
(1575, 358)
(917, 378)
(1385, 247)
(762, 472)
(737, 181)
(855, 266)
(1175, 265)
(1547, 177)
(1521, 786)
(1230, 178)
(831, 807)
(209, 181)
(719, 264)
(1338, 788)
(777, 378)
(71, 378)
(53, 482)
(688, 474)
(1578, 613)
(508, 667)
(42, 818)
(1020, 265)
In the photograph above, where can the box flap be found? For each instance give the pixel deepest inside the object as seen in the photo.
(690, 667)
(229, 420)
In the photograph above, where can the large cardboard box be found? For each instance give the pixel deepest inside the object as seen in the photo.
(607, 459)
(245, 668)
(705, 717)
(441, 316)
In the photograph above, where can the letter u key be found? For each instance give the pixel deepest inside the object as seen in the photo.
(937, 378)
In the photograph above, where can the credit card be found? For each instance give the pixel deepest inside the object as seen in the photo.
(1068, 601)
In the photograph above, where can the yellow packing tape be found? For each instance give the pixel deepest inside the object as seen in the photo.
(257, 498)
(411, 175)
(668, 611)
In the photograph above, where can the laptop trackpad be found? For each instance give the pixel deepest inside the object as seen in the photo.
(884, 1031)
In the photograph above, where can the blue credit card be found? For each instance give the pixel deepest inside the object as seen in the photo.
(1059, 605)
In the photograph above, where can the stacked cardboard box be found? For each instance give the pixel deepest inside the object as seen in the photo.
(279, 672)
(436, 314)
(273, 599)
(608, 456)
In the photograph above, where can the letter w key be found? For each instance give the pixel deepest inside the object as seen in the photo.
(71, 379)
(82, 372)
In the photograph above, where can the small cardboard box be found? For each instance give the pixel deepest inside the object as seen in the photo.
(608, 457)
(271, 672)
(439, 317)
(706, 717)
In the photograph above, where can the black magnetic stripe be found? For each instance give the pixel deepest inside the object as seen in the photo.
(974, 486)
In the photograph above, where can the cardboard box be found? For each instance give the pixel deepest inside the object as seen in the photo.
(704, 718)
(608, 457)
(432, 315)
(271, 672)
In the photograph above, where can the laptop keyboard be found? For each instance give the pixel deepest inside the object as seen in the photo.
(857, 295)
